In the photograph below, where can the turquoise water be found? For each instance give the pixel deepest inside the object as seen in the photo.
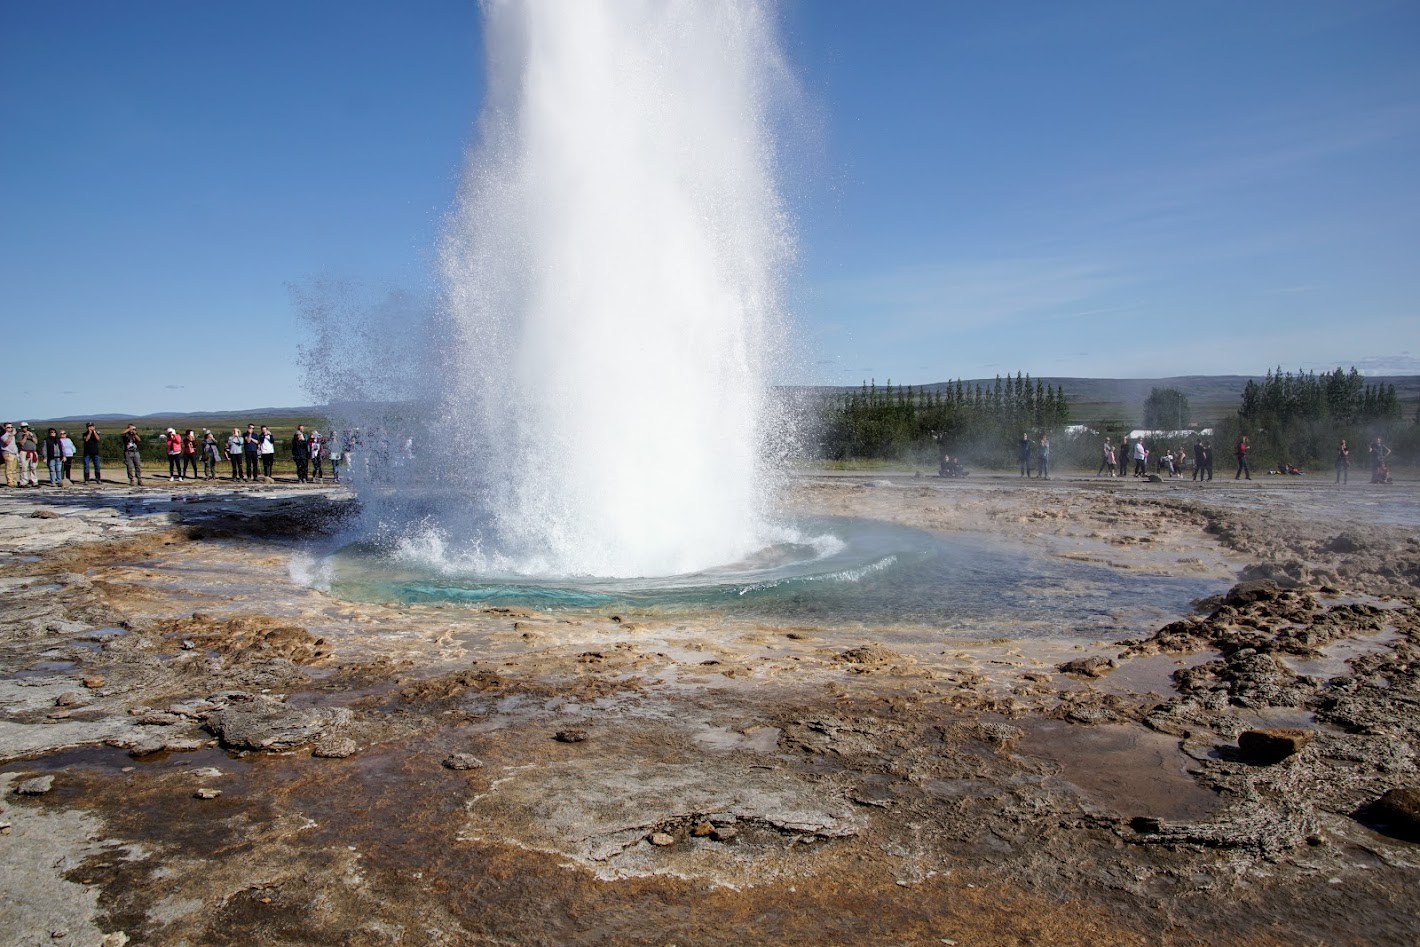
(831, 570)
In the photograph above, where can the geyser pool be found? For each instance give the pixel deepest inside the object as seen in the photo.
(823, 570)
(596, 377)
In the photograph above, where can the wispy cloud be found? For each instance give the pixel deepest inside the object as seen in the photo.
(904, 301)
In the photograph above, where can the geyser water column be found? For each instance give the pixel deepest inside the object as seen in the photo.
(612, 282)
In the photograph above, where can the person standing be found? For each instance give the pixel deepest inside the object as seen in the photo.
(132, 454)
(10, 450)
(1141, 459)
(1241, 452)
(174, 443)
(1379, 452)
(1042, 458)
(29, 456)
(251, 450)
(91, 452)
(211, 454)
(1200, 460)
(1343, 463)
(266, 444)
(189, 453)
(66, 446)
(1023, 456)
(1106, 459)
(234, 453)
(337, 455)
(317, 456)
(53, 452)
(300, 452)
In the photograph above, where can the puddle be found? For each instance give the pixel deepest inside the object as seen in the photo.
(1150, 674)
(1334, 656)
(43, 669)
(752, 739)
(1128, 770)
(99, 634)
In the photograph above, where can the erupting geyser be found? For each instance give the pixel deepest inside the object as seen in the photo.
(612, 285)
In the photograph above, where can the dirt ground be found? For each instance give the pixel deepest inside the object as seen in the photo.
(197, 747)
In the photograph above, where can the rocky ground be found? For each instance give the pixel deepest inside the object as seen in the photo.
(196, 748)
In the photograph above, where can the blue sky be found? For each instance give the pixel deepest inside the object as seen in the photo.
(1114, 189)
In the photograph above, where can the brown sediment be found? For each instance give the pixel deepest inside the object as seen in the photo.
(816, 784)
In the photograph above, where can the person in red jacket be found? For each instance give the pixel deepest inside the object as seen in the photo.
(189, 453)
(1241, 452)
(174, 442)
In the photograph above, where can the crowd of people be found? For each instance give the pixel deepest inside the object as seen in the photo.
(251, 454)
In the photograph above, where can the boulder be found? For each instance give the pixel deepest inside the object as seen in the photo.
(37, 786)
(462, 761)
(1272, 745)
(1399, 811)
(1093, 666)
(264, 723)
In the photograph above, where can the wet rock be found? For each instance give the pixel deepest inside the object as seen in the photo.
(94, 683)
(160, 720)
(869, 654)
(1290, 574)
(44, 515)
(147, 747)
(37, 786)
(661, 839)
(191, 708)
(570, 736)
(1343, 543)
(69, 699)
(1252, 590)
(1000, 735)
(462, 761)
(264, 723)
(1399, 811)
(1093, 666)
(205, 793)
(1272, 745)
(335, 748)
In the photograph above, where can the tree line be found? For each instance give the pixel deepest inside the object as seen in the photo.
(1300, 418)
(920, 423)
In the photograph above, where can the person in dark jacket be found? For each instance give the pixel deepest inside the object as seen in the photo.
(301, 452)
(1200, 460)
(132, 443)
(91, 452)
(53, 453)
(1023, 455)
(251, 451)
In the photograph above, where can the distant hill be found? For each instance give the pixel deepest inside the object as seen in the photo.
(256, 415)
(1210, 397)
